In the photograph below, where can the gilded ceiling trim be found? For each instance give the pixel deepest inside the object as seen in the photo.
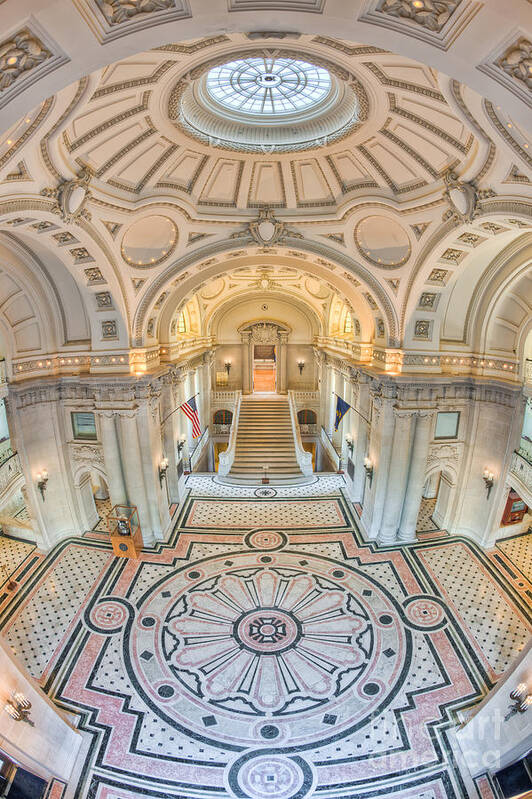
(347, 187)
(315, 248)
(384, 131)
(45, 153)
(51, 284)
(349, 50)
(485, 208)
(391, 183)
(503, 130)
(41, 116)
(190, 49)
(168, 184)
(456, 90)
(402, 84)
(154, 78)
(109, 123)
(124, 151)
(463, 148)
(151, 171)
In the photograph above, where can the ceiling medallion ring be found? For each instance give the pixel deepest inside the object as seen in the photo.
(342, 108)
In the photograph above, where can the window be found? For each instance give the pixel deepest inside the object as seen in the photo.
(447, 424)
(306, 417)
(181, 323)
(268, 85)
(84, 426)
(348, 323)
(223, 417)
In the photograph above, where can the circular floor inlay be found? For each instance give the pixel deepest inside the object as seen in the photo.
(251, 651)
(149, 240)
(382, 241)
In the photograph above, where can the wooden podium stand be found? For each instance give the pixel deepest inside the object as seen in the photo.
(124, 531)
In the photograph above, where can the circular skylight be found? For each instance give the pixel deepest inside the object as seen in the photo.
(268, 85)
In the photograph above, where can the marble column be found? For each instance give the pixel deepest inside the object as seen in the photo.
(416, 477)
(112, 458)
(361, 442)
(380, 451)
(169, 437)
(283, 346)
(134, 477)
(247, 362)
(397, 477)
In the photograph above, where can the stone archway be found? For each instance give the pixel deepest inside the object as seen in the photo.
(262, 334)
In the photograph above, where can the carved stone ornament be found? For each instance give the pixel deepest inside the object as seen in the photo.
(430, 14)
(20, 54)
(266, 230)
(87, 453)
(119, 11)
(517, 61)
(265, 333)
(440, 453)
(462, 198)
(71, 197)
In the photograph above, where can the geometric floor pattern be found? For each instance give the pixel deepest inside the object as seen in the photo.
(266, 651)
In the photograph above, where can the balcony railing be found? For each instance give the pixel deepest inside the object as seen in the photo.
(522, 469)
(308, 429)
(221, 429)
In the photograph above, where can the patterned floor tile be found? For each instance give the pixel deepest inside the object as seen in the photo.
(518, 549)
(13, 551)
(266, 652)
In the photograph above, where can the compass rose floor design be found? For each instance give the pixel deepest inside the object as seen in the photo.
(266, 650)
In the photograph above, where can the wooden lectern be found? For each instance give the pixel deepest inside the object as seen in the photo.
(124, 531)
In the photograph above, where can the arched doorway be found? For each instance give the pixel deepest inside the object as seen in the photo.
(93, 493)
(434, 511)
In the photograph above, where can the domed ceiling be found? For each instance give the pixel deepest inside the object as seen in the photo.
(383, 180)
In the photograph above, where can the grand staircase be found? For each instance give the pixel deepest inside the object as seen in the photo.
(265, 438)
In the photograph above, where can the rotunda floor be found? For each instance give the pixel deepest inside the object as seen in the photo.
(266, 650)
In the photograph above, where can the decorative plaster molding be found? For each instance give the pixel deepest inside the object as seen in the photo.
(511, 67)
(266, 230)
(71, 197)
(26, 57)
(438, 22)
(111, 19)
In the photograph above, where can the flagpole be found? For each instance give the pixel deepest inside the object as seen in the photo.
(352, 408)
(178, 407)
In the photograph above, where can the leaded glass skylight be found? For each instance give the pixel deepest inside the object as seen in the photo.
(268, 85)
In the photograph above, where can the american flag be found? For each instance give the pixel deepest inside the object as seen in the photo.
(190, 409)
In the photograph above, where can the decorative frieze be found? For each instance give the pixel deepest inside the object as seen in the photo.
(110, 19)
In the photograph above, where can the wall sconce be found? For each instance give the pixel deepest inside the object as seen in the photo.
(180, 445)
(18, 707)
(488, 479)
(42, 479)
(350, 443)
(163, 468)
(368, 467)
(301, 365)
(522, 700)
(227, 365)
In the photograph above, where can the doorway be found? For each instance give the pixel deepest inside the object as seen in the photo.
(264, 369)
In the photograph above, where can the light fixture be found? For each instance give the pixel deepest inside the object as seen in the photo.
(522, 700)
(488, 479)
(42, 479)
(18, 707)
(180, 445)
(350, 443)
(163, 468)
(12, 60)
(301, 365)
(368, 468)
(265, 478)
(227, 366)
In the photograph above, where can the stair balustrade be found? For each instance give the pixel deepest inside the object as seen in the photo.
(304, 458)
(225, 459)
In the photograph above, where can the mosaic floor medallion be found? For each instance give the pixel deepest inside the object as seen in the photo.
(267, 652)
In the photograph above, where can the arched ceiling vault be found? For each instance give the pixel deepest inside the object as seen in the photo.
(166, 214)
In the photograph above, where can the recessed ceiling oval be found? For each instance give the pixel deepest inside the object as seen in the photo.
(149, 240)
(382, 241)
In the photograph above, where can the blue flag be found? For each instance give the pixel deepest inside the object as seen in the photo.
(341, 409)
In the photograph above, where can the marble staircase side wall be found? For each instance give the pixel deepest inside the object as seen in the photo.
(47, 749)
(491, 740)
